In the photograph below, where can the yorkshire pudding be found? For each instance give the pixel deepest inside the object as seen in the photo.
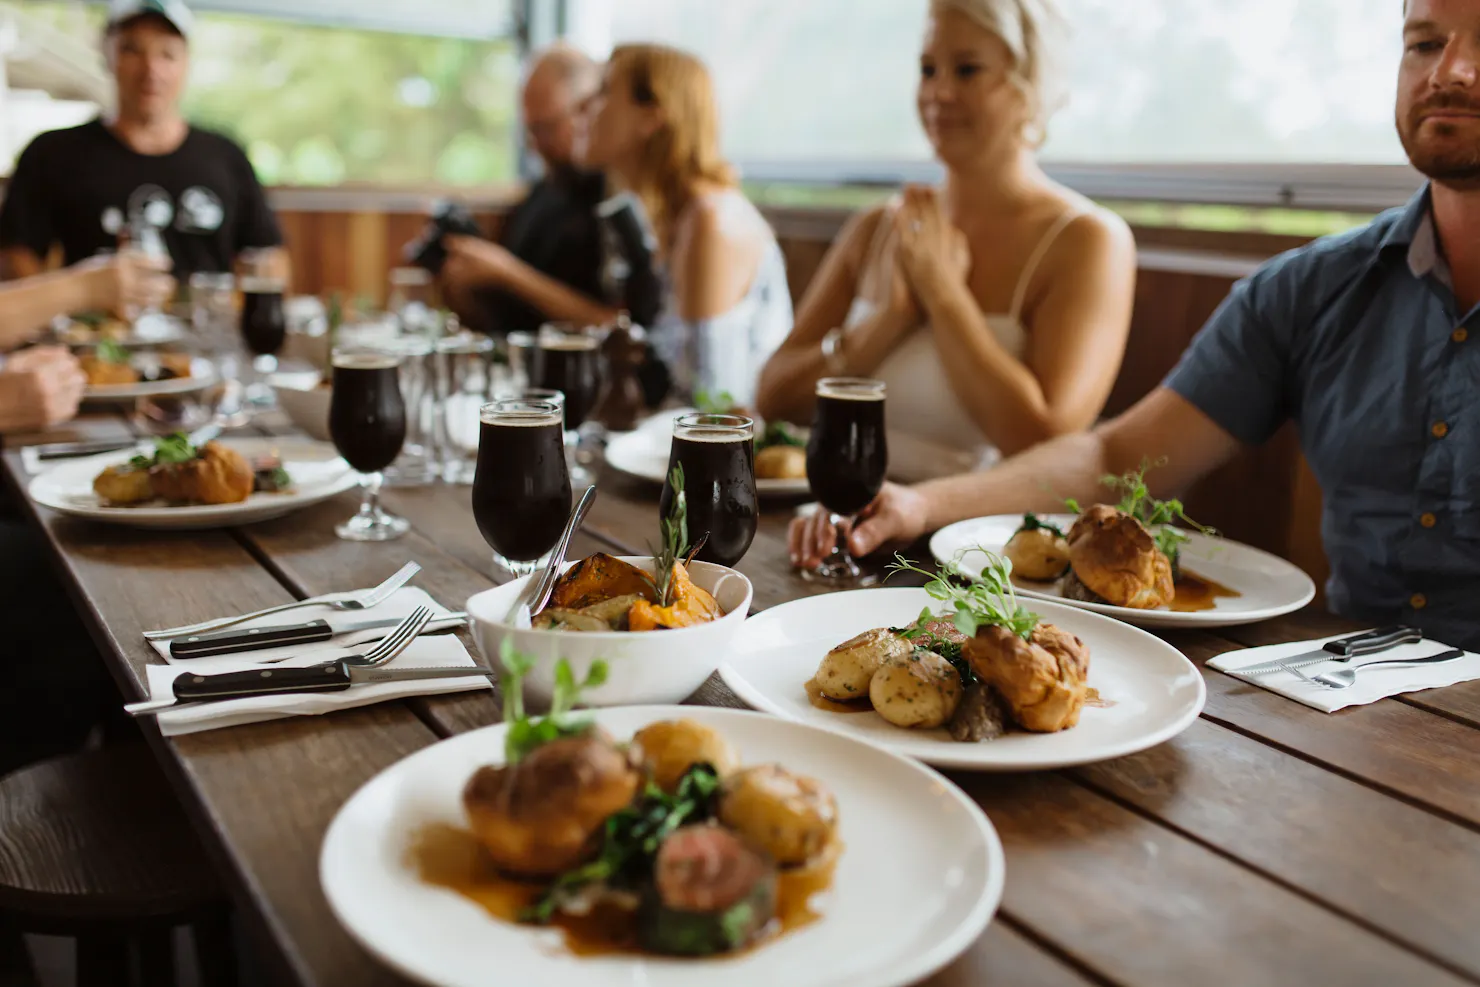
(547, 813)
(1114, 556)
(1042, 679)
(217, 475)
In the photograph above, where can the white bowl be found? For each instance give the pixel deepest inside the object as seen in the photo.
(644, 667)
(304, 401)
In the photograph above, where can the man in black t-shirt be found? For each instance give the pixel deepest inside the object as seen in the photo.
(548, 259)
(85, 186)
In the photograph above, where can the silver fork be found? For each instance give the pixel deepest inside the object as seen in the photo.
(389, 646)
(363, 600)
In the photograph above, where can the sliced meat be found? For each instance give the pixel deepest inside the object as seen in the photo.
(706, 868)
(1073, 588)
(982, 715)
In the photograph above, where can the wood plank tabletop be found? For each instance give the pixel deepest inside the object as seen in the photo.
(1268, 844)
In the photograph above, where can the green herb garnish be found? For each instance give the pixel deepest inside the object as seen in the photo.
(986, 601)
(1032, 522)
(525, 734)
(779, 434)
(1158, 516)
(675, 531)
(109, 351)
(168, 450)
(713, 404)
(632, 838)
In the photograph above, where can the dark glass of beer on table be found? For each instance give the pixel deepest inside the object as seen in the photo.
(568, 360)
(367, 420)
(847, 456)
(264, 328)
(521, 490)
(717, 453)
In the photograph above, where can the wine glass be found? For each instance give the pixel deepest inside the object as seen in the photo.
(264, 326)
(521, 493)
(367, 420)
(717, 453)
(847, 456)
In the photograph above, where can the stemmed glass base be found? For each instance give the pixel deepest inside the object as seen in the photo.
(839, 570)
(372, 523)
(517, 567)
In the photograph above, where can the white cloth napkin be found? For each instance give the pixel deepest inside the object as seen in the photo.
(398, 604)
(1372, 685)
(444, 649)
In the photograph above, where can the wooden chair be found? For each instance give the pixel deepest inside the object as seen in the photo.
(94, 846)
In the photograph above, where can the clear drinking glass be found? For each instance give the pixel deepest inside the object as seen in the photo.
(521, 357)
(847, 457)
(522, 491)
(214, 319)
(367, 420)
(410, 300)
(419, 462)
(464, 365)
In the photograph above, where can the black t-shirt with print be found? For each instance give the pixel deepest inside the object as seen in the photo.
(82, 186)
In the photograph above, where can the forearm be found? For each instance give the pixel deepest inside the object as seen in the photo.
(26, 306)
(998, 391)
(1038, 480)
(558, 301)
(789, 383)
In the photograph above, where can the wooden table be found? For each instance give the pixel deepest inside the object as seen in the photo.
(1268, 844)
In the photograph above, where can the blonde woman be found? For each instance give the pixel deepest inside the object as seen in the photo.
(995, 306)
(654, 129)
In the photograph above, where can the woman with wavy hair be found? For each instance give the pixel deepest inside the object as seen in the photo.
(654, 129)
(996, 305)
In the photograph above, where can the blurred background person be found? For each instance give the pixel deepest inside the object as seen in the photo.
(654, 129)
(996, 307)
(146, 167)
(547, 261)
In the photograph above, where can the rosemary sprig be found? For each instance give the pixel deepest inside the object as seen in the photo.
(987, 601)
(675, 532)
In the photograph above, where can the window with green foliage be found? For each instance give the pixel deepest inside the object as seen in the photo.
(319, 106)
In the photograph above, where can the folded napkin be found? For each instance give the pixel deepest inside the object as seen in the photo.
(1372, 684)
(444, 649)
(398, 604)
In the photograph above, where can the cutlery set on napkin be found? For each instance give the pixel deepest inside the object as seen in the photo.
(1351, 671)
(352, 649)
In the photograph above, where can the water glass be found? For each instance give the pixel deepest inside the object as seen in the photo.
(464, 383)
(213, 317)
(420, 460)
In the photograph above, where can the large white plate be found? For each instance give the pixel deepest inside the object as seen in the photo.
(1154, 690)
(153, 329)
(1268, 585)
(919, 878)
(643, 453)
(202, 375)
(317, 470)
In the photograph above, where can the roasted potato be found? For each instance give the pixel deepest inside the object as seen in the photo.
(103, 373)
(546, 814)
(847, 670)
(789, 816)
(670, 747)
(1038, 554)
(921, 690)
(123, 485)
(781, 463)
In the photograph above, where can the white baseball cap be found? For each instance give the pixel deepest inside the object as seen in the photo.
(173, 11)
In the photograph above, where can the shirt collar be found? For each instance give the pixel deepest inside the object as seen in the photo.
(1413, 234)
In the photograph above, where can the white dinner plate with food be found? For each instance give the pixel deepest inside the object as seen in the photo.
(151, 329)
(315, 472)
(1231, 583)
(150, 384)
(905, 876)
(643, 453)
(1144, 690)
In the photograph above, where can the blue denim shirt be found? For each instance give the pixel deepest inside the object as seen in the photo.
(1357, 339)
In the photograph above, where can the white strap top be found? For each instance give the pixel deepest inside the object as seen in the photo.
(927, 423)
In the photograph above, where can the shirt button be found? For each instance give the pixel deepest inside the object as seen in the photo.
(1428, 520)
(1418, 601)
(1460, 335)
(1440, 429)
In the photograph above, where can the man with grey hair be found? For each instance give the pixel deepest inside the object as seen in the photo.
(551, 241)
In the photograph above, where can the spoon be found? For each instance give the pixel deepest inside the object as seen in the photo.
(533, 600)
(1345, 678)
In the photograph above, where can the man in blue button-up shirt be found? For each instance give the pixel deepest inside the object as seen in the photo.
(1369, 342)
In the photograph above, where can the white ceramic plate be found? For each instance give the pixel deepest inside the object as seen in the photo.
(1154, 691)
(919, 878)
(154, 329)
(202, 375)
(317, 470)
(643, 453)
(1268, 585)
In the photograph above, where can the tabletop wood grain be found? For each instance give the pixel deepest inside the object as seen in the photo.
(1268, 844)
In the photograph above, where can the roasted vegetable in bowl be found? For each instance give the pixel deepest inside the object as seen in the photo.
(603, 593)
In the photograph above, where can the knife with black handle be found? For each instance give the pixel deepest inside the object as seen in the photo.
(237, 640)
(1342, 649)
(334, 676)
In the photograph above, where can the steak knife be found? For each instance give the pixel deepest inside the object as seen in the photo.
(1342, 649)
(237, 640)
(334, 676)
